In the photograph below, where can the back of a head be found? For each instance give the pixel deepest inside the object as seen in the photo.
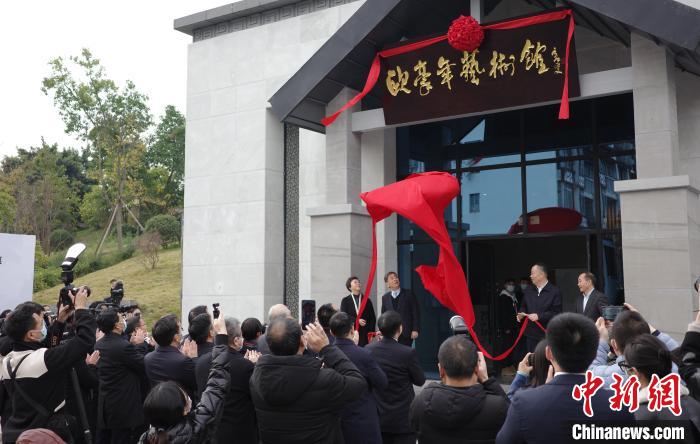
(627, 326)
(196, 311)
(132, 324)
(573, 339)
(233, 328)
(458, 357)
(251, 328)
(21, 320)
(340, 324)
(200, 327)
(540, 364)
(40, 436)
(324, 314)
(106, 320)
(165, 329)
(649, 356)
(164, 405)
(278, 311)
(389, 323)
(283, 337)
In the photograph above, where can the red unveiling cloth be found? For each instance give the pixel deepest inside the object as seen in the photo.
(422, 198)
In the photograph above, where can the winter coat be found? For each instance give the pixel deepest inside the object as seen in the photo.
(197, 426)
(403, 371)
(690, 355)
(443, 414)
(298, 398)
(690, 413)
(42, 375)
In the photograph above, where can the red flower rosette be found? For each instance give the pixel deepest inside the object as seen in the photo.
(465, 34)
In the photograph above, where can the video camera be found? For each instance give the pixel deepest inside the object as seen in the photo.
(116, 293)
(458, 326)
(67, 275)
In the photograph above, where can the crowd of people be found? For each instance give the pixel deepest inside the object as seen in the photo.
(96, 374)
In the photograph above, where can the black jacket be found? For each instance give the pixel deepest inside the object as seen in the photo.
(406, 305)
(690, 366)
(200, 422)
(348, 306)
(690, 414)
(121, 371)
(298, 401)
(169, 364)
(238, 415)
(43, 375)
(360, 419)
(594, 307)
(442, 414)
(544, 414)
(547, 305)
(400, 364)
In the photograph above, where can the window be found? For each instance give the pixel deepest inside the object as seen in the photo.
(474, 202)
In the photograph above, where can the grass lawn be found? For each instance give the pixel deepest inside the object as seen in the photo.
(157, 291)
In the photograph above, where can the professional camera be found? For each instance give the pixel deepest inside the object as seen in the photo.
(67, 275)
(458, 326)
(116, 293)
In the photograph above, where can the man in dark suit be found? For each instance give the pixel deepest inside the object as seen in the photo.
(592, 301)
(360, 419)
(400, 363)
(541, 302)
(167, 362)
(120, 371)
(238, 422)
(548, 413)
(404, 302)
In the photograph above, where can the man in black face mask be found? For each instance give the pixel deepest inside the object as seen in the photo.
(35, 375)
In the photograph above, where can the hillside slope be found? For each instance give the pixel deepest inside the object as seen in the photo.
(157, 291)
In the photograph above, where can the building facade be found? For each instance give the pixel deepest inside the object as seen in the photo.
(272, 209)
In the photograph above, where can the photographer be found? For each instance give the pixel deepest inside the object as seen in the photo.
(34, 375)
(121, 371)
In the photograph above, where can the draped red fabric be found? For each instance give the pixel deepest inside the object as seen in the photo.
(422, 199)
(375, 69)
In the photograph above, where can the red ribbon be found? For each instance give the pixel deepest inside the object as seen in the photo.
(375, 69)
(422, 198)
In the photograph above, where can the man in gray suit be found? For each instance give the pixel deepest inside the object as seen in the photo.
(592, 301)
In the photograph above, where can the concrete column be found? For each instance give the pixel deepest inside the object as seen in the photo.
(342, 154)
(655, 110)
(660, 230)
(379, 169)
(661, 242)
(341, 230)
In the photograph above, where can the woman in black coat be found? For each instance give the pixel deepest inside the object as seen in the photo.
(350, 305)
(168, 408)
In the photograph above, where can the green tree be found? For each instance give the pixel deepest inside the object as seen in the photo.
(165, 158)
(94, 209)
(110, 120)
(7, 210)
(42, 195)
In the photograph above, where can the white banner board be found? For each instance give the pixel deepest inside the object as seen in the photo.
(16, 269)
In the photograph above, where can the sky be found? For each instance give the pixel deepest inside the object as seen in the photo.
(133, 39)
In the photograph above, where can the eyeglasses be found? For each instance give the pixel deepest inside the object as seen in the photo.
(625, 367)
